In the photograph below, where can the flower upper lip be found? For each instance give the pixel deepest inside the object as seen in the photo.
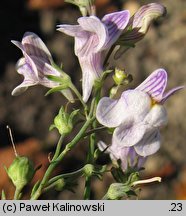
(93, 37)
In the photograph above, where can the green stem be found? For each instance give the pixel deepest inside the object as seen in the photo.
(95, 130)
(58, 148)
(58, 159)
(74, 89)
(87, 190)
(17, 194)
(47, 188)
(90, 159)
(108, 55)
(66, 175)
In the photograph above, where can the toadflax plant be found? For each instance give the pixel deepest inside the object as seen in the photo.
(134, 118)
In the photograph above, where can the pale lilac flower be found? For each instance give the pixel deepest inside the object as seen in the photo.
(138, 26)
(93, 37)
(138, 114)
(127, 155)
(35, 65)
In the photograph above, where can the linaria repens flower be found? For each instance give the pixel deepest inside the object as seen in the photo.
(138, 114)
(138, 26)
(93, 37)
(36, 65)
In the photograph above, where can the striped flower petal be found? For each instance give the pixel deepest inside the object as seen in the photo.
(71, 30)
(155, 84)
(36, 65)
(91, 67)
(115, 23)
(27, 68)
(31, 68)
(81, 37)
(146, 14)
(93, 38)
(99, 35)
(34, 46)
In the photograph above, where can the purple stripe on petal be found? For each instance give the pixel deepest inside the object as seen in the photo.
(31, 65)
(115, 23)
(155, 84)
(28, 60)
(94, 25)
(35, 46)
(91, 68)
(146, 14)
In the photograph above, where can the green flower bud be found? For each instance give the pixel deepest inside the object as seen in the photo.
(62, 124)
(88, 170)
(119, 76)
(63, 121)
(91, 170)
(21, 171)
(117, 191)
(60, 184)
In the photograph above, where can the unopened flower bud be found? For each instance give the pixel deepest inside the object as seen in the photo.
(119, 76)
(64, 121)
(60, 184)
(138, 26)
(21, 171)
(88, 169)
(62, 124)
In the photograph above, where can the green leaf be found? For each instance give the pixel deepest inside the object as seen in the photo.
(55, 78)
(56, 89)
